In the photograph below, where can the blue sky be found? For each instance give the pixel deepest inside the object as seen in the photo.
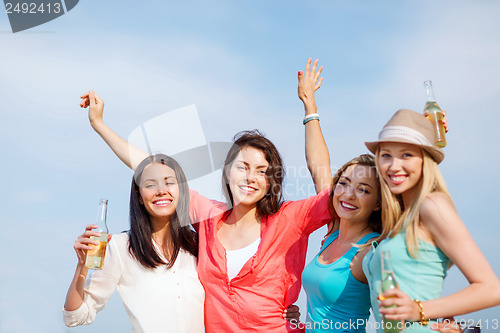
(237, 62)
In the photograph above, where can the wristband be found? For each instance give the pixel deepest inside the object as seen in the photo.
(309, 117)
(423, 320)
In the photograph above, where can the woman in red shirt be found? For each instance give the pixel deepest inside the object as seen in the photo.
(252, 250)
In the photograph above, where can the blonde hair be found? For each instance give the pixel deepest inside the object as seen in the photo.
(396, 217)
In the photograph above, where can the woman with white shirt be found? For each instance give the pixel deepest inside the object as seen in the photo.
(153, 265)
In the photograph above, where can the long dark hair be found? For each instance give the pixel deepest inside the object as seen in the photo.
(141, 230)
(375, 220)
(273, 199)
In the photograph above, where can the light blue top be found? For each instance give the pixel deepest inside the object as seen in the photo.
(336, 301)
(421, 278)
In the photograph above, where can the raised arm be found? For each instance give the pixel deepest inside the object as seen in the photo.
(127, 153)
(317, 156)
(440, 218)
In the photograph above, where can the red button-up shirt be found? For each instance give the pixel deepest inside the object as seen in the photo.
(270, 281)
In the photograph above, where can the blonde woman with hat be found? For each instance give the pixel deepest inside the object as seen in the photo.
(424, 232)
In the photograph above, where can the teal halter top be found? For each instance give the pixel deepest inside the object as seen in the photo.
(336, 301)
(421, 278)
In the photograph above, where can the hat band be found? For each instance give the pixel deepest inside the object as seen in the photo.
(403, 132)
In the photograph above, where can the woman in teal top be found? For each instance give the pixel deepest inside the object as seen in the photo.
(336, 300)
(422, 278)
(337, 290)
(338, 297)
(424, 232)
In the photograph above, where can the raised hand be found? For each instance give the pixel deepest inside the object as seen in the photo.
(96, 107)
(445, 120)
(317, 156)
(309, 82)
(127, 153)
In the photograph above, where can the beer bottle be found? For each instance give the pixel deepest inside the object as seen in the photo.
(435, 116)
(95, 257)
(388, 282)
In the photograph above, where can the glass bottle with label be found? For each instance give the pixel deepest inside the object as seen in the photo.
(388, 282)
(95, 257)
(435, 116)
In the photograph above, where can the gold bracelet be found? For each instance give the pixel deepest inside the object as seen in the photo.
(423, 320)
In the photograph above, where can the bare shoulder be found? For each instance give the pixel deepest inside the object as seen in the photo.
(437, 210)
(364, 250)
(434, 205)
(435, 199)
(356, 263)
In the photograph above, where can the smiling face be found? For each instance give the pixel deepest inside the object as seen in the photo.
(159, 191)
(247, 177)
(400, 165)
(356, 194)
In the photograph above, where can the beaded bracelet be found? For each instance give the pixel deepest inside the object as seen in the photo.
(423, 320)
(309, 117)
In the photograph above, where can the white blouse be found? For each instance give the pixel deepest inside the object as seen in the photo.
(156, 300)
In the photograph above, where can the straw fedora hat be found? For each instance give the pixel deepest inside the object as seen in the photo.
(407, 126)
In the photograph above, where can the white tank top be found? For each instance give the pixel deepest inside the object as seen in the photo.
(236, 259)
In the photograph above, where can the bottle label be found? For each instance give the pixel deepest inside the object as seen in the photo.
(95, 257)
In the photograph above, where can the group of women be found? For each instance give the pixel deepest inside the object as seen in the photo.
(242, 265)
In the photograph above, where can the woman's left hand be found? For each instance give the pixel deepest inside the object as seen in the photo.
(405, 309)
(292, 313)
